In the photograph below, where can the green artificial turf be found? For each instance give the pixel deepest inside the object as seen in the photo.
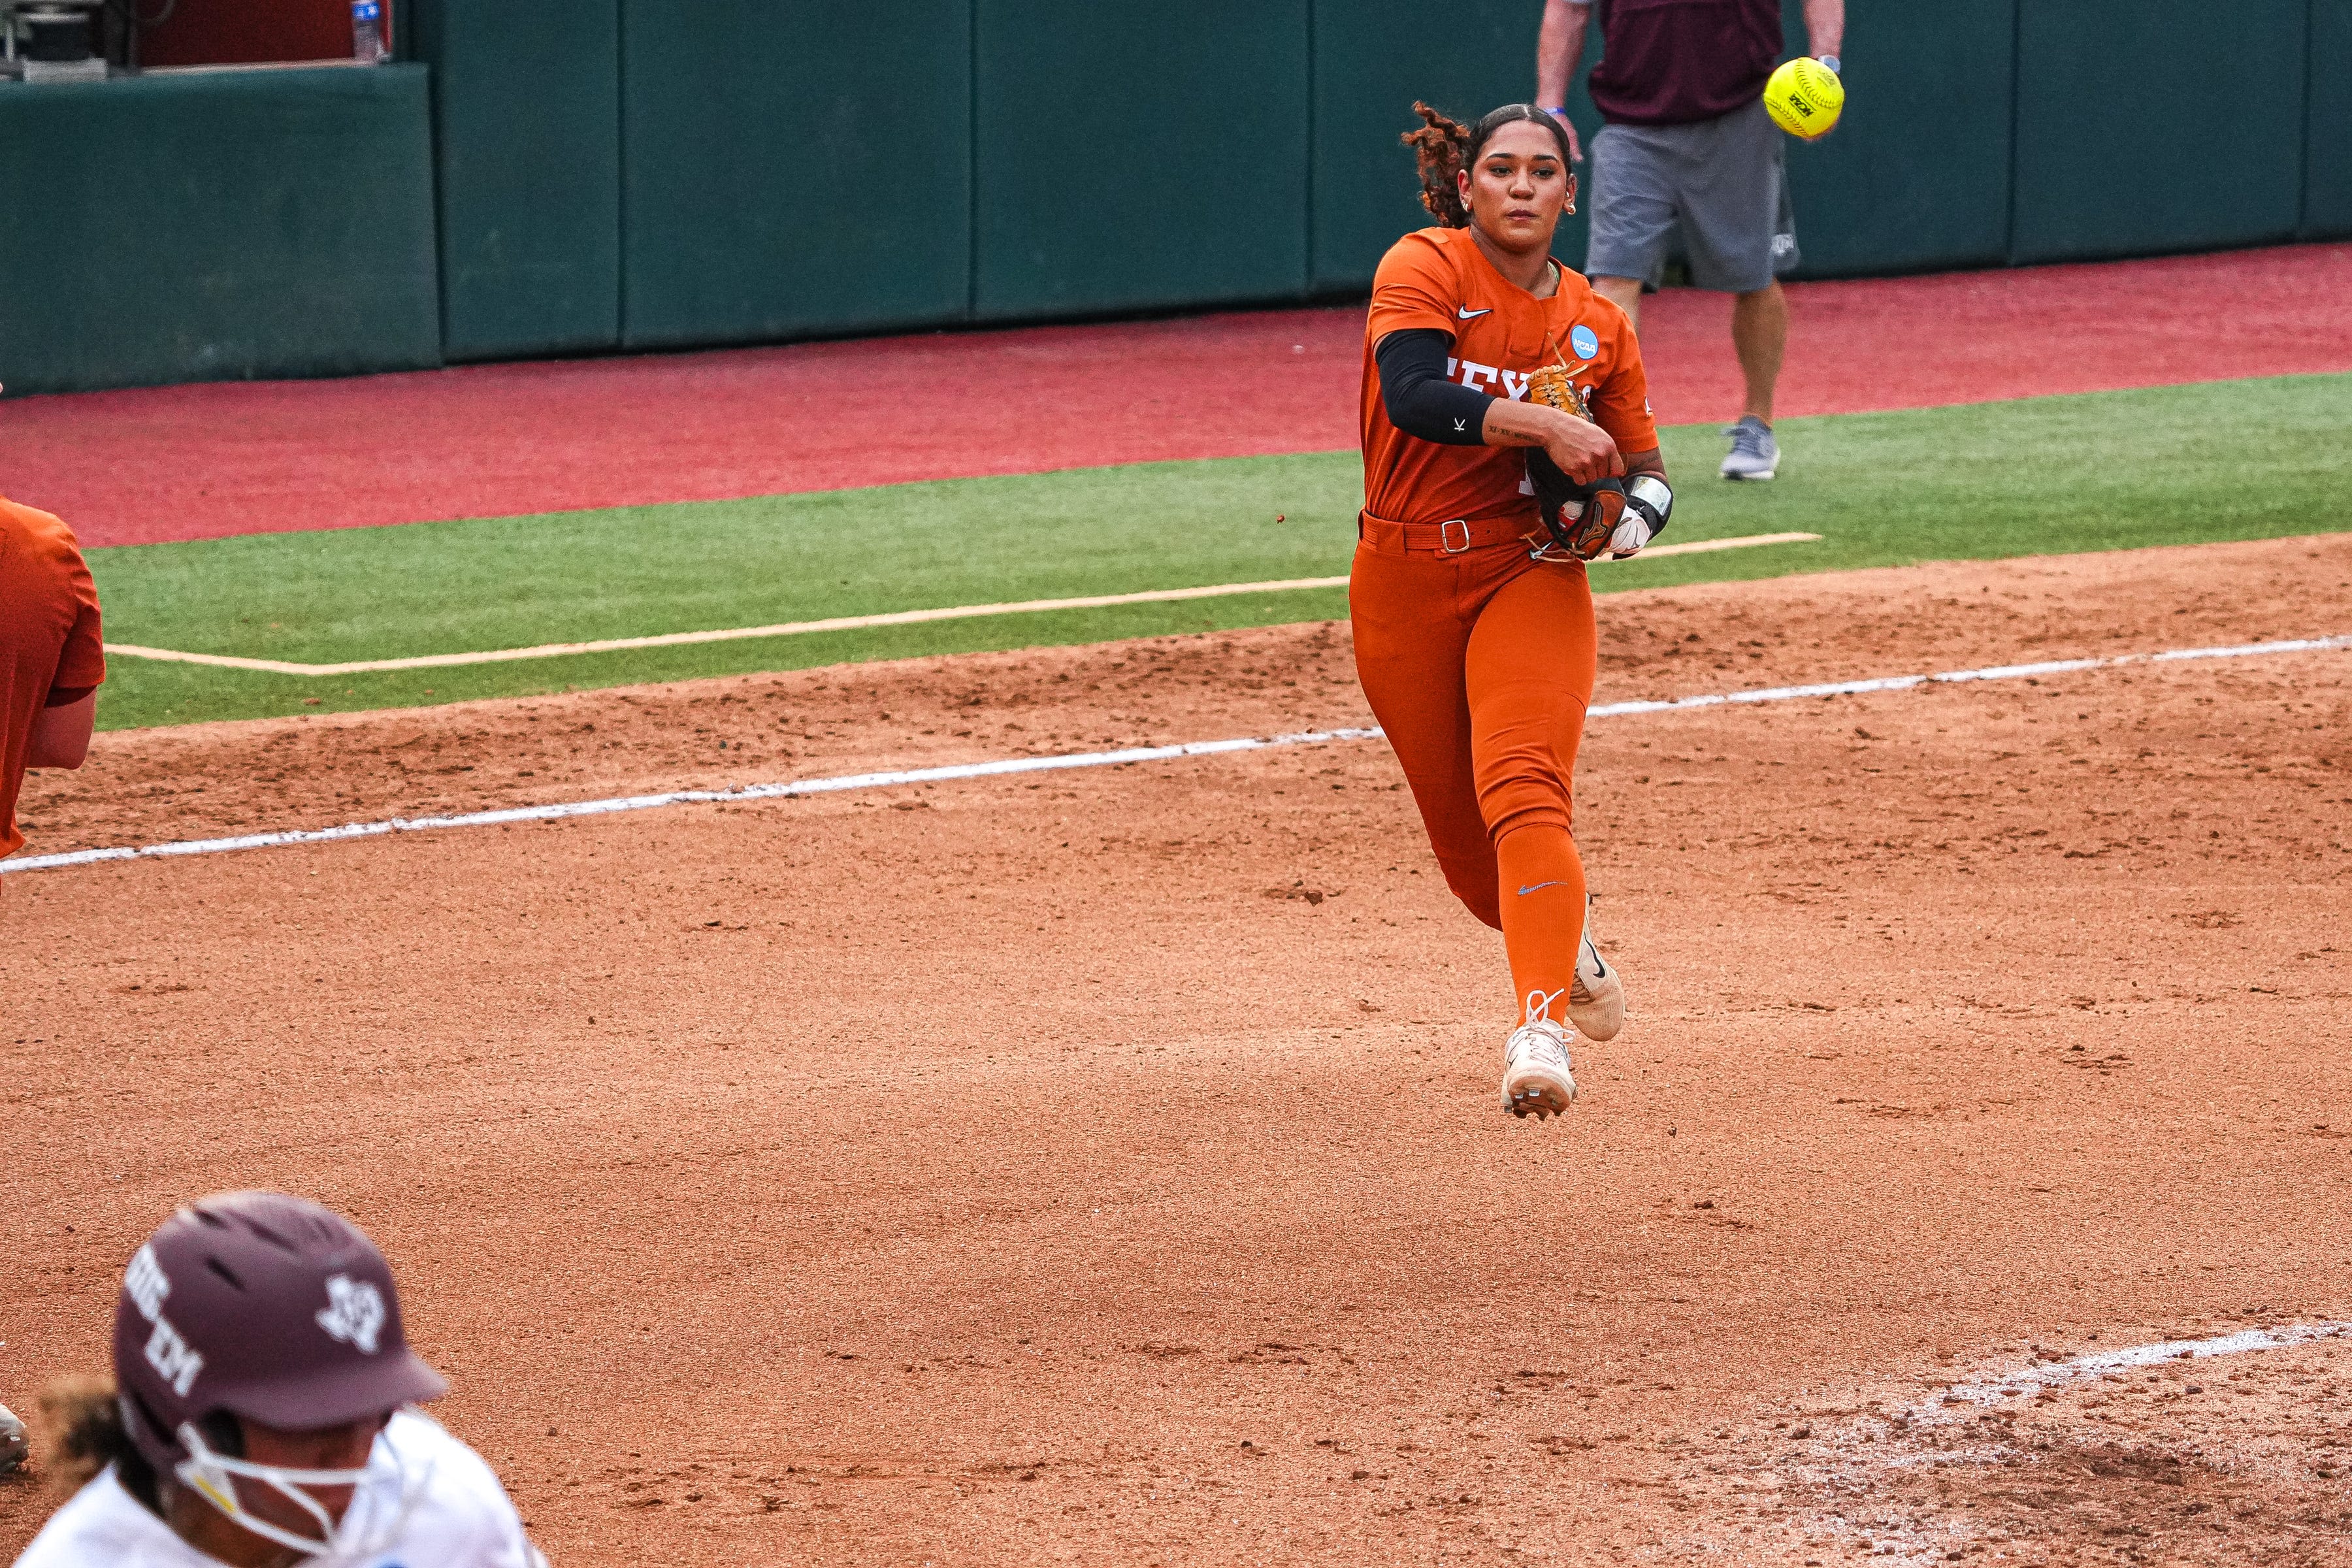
(2110, 470)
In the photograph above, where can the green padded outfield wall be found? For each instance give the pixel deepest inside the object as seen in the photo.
(2158, 125)
(2327, 147)
(792, 168)
(527, 132)
(1373, 59)
(619, 174)
(216, 226)
(1138, 156)
(1916, 176)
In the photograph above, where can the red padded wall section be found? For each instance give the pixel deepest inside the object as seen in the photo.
(243, 32)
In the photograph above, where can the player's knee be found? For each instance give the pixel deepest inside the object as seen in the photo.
(1527, 802)
(1483, 904)
(1473, 881)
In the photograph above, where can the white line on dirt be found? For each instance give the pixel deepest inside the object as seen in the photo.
(1860, 1453)
(1122, 758)
(689, 797)
(2031, 1380)
(838, 623)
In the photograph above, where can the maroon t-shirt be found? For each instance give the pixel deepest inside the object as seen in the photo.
(1670, 62)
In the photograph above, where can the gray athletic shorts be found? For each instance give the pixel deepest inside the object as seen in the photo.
(1724, 184)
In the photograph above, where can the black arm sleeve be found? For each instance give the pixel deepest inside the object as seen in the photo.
(1421, 401)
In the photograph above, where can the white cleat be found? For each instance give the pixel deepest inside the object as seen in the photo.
(12, 1447)
(1596, 997)
(1535, 1076)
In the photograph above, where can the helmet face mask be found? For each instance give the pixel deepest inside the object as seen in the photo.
(213, 1477)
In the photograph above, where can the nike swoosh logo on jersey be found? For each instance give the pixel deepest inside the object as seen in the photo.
(1540, 887)
(1469, 315)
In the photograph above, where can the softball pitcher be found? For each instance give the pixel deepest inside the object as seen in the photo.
(1507, 440)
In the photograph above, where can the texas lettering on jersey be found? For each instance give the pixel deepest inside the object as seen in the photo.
(1438, 279)
(1496, 380)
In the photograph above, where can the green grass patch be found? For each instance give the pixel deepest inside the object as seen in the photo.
(2180, 465)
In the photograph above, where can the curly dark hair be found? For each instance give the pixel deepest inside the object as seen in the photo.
(1444, 148)
(85, 1428)
(84, 1421)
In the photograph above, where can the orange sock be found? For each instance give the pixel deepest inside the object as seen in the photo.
(1542, 895)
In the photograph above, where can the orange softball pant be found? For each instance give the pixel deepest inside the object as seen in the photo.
(1479, 663)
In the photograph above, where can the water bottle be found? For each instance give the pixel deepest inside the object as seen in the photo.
(367, 31)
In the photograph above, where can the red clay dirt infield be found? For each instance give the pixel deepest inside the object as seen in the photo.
(1106, 1167)
(196, 462)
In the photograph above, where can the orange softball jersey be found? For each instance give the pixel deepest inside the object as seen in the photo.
(49, 638)
(1438, 279)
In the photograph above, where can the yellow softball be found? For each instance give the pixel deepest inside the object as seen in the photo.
(1804, 98)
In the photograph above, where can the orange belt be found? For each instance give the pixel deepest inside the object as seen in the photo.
(1451, 538)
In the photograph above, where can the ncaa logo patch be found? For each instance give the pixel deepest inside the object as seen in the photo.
(1584, 342)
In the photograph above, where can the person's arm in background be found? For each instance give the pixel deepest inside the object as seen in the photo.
(1559, 49)
(1824, 28)
(60, 737)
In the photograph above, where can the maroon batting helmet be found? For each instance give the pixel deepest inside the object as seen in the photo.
(265, 1306)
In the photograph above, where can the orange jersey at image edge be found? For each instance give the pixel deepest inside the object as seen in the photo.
(49, 638)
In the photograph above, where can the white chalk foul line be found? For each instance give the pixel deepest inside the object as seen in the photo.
(2032, 1380)
(1992, 672)
(838, 623)
(1011, 765)
(1862, 1453)
(687, 797)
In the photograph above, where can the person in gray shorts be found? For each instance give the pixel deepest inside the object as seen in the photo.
(1687, 148)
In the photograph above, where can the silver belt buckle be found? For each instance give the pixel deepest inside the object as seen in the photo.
(1445, 545)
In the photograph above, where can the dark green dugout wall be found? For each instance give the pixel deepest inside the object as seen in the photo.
(527, 140)
(671, 173)
(559, 176)
(1916, 175)
(169, 228)
(2327, 124)
(1373, 59)
(793, 169)
(2153, 125)
(1137, 156)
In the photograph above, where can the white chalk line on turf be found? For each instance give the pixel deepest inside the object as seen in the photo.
(1125, 757)
(839, 622)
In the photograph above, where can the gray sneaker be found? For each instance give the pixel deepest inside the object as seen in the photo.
(1754, 454)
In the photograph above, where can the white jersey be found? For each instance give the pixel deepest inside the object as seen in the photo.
(425, 1501)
